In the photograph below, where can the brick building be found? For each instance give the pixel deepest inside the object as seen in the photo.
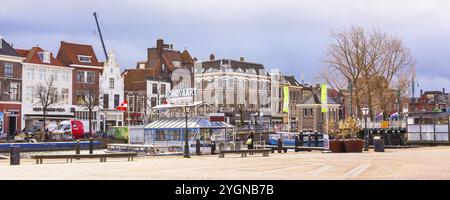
(10, 89)
(429, 101)
(85, 76)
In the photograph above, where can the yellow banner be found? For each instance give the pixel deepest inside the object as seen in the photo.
(324, 98)
(286, 99)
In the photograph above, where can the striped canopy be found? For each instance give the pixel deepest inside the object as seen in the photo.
(193, 123)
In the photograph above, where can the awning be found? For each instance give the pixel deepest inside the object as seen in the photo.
(193, 123)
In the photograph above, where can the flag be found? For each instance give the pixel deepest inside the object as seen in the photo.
(123, 106)
(379, 116)
(394, 115)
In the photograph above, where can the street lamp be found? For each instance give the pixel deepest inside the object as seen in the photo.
(186, 145)
(365, 112)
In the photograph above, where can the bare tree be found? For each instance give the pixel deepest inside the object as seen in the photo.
(89, 93)
(45, 95)
(373, 62)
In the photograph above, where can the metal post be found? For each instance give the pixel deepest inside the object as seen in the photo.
(91, 146)
(366, 137)
(186, 145)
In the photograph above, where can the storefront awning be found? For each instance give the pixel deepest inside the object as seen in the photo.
(193, 123)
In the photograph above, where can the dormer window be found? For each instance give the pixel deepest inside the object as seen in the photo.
(84, 59)
(44, 56)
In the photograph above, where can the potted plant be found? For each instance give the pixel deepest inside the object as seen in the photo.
(336, 144)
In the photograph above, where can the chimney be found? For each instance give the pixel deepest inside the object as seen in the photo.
(242, 59)
(159, 45)
(421, 93)
(212, 57)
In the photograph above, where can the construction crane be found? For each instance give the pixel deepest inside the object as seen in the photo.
(101, 37)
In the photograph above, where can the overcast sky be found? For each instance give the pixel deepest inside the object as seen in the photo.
(287, 35)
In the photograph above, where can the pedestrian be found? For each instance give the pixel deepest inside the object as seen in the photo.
(250, 140)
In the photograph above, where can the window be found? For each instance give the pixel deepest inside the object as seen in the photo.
(65, 76)
(80, 76)
(44, 56)
(154, 88)
(29, 94)
(90, 77)
(219, 82)
(111, 83)
(131, 103)
(84, 59)
(64, 95)
(80, 98)
(8, 70)
(163, 89)
(14, 91)
(42, 74)
(163, 67)
(139, 104)
(105, 101)
(30, 73)
(230, 82)
(153, 101)
(54, 74)
(116, 100)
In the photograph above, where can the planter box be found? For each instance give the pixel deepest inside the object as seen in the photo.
(337, 146)
(353, 146)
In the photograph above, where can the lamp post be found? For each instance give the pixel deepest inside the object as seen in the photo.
(186, 145)
(365, 112)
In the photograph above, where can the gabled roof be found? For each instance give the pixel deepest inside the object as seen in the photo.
(7, 49)
(136, 79)
(31, 56)
(234, 64)
(68, 54)
(314, 99)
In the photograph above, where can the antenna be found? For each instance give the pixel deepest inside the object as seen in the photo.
(101, 37)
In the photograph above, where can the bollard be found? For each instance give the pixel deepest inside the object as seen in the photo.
(280, 145)
(14, 155)
(197, 147)
(213, 148)
(77, 148)
(296, 143)
(91, 146)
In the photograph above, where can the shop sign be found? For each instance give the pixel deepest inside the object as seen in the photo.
(182, 96)
(217, 117)
(36, 109)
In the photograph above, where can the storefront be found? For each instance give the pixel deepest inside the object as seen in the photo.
(33, 115)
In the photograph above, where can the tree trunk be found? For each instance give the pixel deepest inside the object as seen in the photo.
(90, 123)
(44, 132)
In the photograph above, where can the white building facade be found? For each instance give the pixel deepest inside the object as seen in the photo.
(34, 74)
(111, 94)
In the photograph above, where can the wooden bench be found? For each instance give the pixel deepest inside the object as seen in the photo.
(244, 152)
(39, 158)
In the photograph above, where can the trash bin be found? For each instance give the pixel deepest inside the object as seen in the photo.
(378, 144)
(15, 155)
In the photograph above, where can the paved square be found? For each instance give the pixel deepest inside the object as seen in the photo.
(418, 163)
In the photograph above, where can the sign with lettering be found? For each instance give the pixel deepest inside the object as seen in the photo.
(286, 99)
(37, 109)
(180, 96)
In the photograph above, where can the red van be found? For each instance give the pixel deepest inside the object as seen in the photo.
(74, 127)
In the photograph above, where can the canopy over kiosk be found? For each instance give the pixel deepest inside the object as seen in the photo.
(172, 130)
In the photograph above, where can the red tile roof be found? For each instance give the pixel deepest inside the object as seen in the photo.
(68, 54)
(31, 56)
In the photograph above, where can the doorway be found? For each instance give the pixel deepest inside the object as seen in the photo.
(12, 125)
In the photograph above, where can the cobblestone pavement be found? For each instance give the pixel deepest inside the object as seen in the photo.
(418, 163)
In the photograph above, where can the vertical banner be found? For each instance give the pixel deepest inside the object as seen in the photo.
(323, 98)
(286, 99)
